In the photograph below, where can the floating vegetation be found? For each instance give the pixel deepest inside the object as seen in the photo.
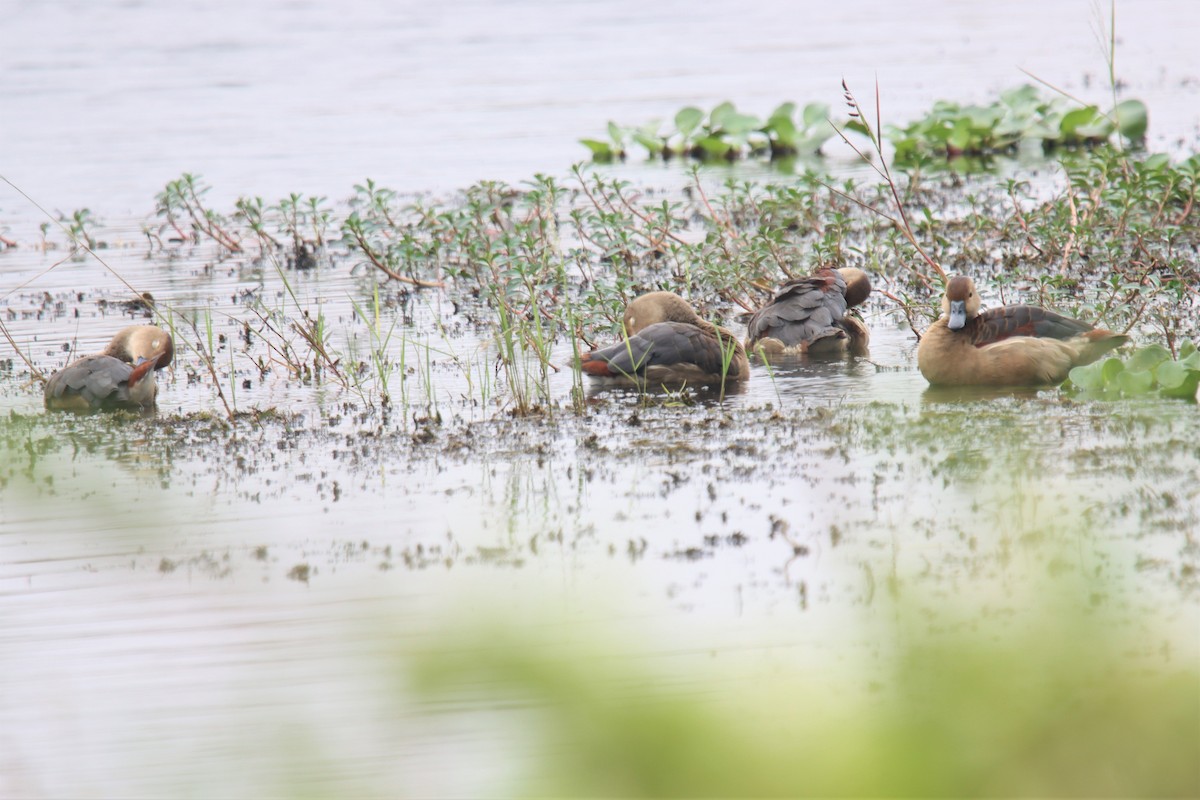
(1020, 116)
(723, 134)
(1150, 370)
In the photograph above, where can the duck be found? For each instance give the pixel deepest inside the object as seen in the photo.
(121, 376)
(668, 344)
(1016, 345)
(807, 317)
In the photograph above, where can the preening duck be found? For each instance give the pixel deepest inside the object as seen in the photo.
(668, 344)
(1008, 346)
(808, 316)
(122, 376)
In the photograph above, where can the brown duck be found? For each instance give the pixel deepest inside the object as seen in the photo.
(807, 316)
(122, 376)
(1007, 346)
(668, 344)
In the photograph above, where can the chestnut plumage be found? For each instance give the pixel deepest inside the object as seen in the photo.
(1017, 345)
(667, 344)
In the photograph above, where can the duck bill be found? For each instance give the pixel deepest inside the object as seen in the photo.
(958, 315)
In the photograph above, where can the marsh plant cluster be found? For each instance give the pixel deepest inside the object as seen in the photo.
(540, 270)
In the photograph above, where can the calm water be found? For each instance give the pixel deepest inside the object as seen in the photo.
(189, 613)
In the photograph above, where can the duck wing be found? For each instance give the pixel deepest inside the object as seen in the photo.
(663, 344)
(96, 383)
(998, 324)
(802, 311)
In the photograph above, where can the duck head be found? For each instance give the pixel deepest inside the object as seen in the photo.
(140, 343)
(858, 285)
(960, 303)
(654, 307)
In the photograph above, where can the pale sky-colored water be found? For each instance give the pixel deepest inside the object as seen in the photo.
(104, 102)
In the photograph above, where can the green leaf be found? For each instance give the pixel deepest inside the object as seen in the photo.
(815, 114)
(1088, 378)
(1185, 383)
(1157, 162)
(601, 150)
(617, 134)
(784, 110)
(1132, 119)
(784, 130)
(857, 126)
(1186, 349)
(1073, 120)
(651, 143)
(960, 135)
(718, 116)
(1100, 129)
(714, 146)
(1110, 369)
(1148, 357)
(1134, 382)
(687, 119)
(817, 136)
(739, 124)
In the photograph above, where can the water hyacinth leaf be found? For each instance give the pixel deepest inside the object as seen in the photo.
(687, 120)
(1088, 378)
(787, 110)
(784, 130)
(714, 146)
(960, 138)
(718, 116)
(1178, 380)
(815, 114)
(1072, 121)
(649, 141)
(616, 133)
(817, 136)
(1148, 357)
(1024, 99)
(1134, 382)
(600, 150)
(1171, 375)
(859, 127)
(1101, 128)
(1132, 119)
(738, 124)
(1110, 369)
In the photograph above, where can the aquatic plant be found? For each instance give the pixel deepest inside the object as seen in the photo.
(724, 133)
(181, 203)
(1150, 370)
(81, 226)
(1018, 117)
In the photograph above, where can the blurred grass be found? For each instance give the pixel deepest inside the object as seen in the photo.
(1052, 702)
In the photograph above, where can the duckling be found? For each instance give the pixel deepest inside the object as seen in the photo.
(122, 376)
(1007, 346)
(668, 344)
(807, 316)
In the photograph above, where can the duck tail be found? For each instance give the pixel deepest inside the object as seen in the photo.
(1098, 342)
(594, 366)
